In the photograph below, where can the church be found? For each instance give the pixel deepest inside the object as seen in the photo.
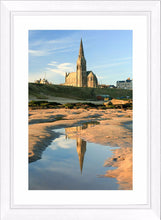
(82, 77)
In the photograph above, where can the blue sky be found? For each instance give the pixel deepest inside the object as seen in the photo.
(108, 54)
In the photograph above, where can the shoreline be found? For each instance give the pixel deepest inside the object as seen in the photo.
(42, 122)
(114, 129)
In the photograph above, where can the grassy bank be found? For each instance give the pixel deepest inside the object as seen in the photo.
(41, 91)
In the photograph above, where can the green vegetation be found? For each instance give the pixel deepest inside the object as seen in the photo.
(43, 104)
(42, 91)
(51, 105)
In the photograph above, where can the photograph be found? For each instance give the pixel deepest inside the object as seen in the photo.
(80, 110)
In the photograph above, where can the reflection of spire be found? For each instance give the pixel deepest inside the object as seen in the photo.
(81, 149)
(71, 133)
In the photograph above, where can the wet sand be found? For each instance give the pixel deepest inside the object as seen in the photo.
(113, 130)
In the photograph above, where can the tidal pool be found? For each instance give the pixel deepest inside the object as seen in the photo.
(71, 163)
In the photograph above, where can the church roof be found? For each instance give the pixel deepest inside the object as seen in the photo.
(90, 73)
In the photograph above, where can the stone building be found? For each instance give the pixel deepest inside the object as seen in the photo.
(42, 81)
(124, 84)
(82, 77)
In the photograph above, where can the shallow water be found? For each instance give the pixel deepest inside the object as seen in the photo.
(71, 163)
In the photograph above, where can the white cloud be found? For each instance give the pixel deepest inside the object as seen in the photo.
(55, 72)
(60, 68)
(38, 52)
(62, 143)
(36, 43)
(65, 66)
(53, 63)
(46, 47)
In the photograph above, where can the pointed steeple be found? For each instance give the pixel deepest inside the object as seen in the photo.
(81, 149)
(81, 75)
(81, 52)
(81, 159)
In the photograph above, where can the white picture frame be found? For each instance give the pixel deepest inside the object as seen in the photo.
(147, 211)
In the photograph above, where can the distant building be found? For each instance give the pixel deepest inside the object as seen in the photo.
(82, 77)
(42, 81)
(125, 84)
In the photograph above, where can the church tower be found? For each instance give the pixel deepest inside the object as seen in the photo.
(81, 75)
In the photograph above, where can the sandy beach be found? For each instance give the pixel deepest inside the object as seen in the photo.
(112, 129)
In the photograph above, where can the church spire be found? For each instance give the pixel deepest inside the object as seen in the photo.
(81, 149)
(81, 75)
(81, 159)
(81, 52)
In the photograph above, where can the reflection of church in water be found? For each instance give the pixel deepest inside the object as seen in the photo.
(81, 149)
(81, 144)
